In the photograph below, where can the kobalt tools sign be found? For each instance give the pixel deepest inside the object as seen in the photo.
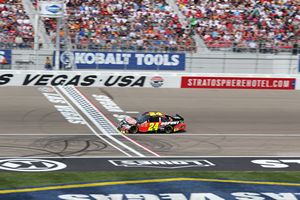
(170, 164)
(120, 60)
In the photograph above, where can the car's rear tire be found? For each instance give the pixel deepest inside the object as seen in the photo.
(168, 129)
(133, 130)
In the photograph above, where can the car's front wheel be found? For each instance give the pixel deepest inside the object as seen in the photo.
(133, 130)
(168, 129)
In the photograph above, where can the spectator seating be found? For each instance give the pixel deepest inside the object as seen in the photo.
(151, 25)
(16, 30)
(271, 25)
(147, 25)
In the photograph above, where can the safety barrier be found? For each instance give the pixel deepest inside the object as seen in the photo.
(148, 80)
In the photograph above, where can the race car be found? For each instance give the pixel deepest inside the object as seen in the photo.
(152, 122)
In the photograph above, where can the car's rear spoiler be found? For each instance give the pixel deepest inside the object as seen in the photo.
(178, 117)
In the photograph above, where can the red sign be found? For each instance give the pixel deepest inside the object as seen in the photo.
(238, 83)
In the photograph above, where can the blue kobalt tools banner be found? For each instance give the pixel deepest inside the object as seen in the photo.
(5, 56)
(123, 60)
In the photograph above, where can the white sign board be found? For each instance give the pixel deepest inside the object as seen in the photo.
(51, 9)
(87, 79)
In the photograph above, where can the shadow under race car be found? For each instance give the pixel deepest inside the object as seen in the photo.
(154, 122)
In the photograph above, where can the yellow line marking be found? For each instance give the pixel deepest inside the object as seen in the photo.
(84, 185)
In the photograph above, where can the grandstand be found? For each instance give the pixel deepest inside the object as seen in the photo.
(153, 25)
(268, 25)
(16, 30)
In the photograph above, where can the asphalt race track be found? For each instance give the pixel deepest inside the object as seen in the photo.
(47, 122)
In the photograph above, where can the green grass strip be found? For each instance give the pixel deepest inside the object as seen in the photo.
(19, 180)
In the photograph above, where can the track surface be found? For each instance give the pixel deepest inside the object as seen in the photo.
(220, 123)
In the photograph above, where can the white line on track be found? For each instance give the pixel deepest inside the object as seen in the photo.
(90, 127)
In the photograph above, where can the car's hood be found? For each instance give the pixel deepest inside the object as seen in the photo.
(130, 120)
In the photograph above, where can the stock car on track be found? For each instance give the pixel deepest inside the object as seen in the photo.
(152, 122)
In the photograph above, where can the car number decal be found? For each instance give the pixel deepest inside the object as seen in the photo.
(153, 126)
(155, 114)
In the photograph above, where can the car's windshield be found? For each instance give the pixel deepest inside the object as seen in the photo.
(142, 118)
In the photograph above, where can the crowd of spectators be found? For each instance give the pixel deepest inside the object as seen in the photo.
(152, 25)
(15, 27)
(269, 25)
(148, 25)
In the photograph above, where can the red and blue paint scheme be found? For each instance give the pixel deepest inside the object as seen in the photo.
(152, 122)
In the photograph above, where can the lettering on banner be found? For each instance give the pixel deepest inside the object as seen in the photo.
(124, 58)
(125, 81)
(56, 80)
(238, 83)
(102, 58)
(158, 59)
(5, 78)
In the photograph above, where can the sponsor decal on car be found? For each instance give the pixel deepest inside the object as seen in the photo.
(238, 83)
(170, 123)
(170, 164)
(31, 165)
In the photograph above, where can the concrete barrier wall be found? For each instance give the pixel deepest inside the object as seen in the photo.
(149, 79)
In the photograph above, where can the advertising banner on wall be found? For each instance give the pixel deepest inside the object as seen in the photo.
(87, 79)
(123, 60)
(238, 83)
(5, 57)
